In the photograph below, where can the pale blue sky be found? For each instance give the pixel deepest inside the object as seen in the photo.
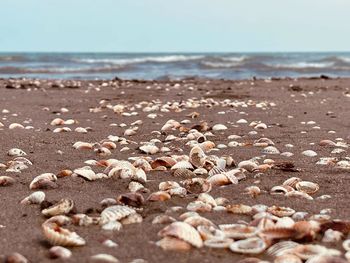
(177, 25)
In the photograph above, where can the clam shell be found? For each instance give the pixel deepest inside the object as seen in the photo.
(219, 180)
(159, 196)
(163, 161)
(174, 244)
(182, 165)
(115, 213)
(207, 198)
(252, 245)
(6, 180)
(34, 198)
(288, 258)
(250, 166)
(103, 258)
(60, 252)
(281, 248)
(218, 242)
(112, 226)
(197, 185)
(198, 206)
(309, 153)
(43, 181)
(184, 173)
(239, 209)
(298, 194)
(270, 150)
(281, 211)
(132, 219)
(197, 156)
(63, 207)
(149, 149)
(292, 181)
(238, 231)
(307, 187)
(184, 232)
(308, 251)
(196, 221)
(219, 127)
(163, 219)
(59, 236)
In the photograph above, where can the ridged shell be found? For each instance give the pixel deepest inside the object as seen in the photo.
(115, 213)
(309, 251)
(182, 165)
(63, 207)
(184, 173)
(281, 248)
(288, 258)
(218, 242)
(281, 211)
(196, 221)
(61, 237)
(184, 232)
(238, 231)
(307, 187)
(252, 245)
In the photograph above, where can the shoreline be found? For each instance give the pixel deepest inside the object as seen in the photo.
(299, 112)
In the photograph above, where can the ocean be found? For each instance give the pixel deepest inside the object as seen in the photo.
(173, 65)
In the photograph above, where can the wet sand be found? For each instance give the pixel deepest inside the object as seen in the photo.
(37, 103)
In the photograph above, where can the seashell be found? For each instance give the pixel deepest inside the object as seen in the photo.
(63, 129)
(200, 171)
(103, 258)
(6, 180)
(308, 251)
(327, 143)
(197, 185)
(44, 181)
(132, 219)
(139, 175)
(281, 189)
(131, 199)
(16, 166)
(186, 215)
(219, 127)
(238, 231)
(163, 219)
(182, 231)
(239, 209)
(299, 194)
(300, 216)
(288, 258)
(326, 259)
(182, 165)
(159, 196)
(252, 245)
(253, 191)
(84, 220)
(196, 221)
(270, 150)
(109, 145)
(197, 156)
(34, 198)
(64, 173)
(218, 242)
(109, 243)
(210, 232)
(82, 146)
(222, 201)
(207, 198)
(260, 126)
(60, 220)
(332, 236)
(207, 145)
(307, 187)
(164, 186)
(16, 152)
(63, 207)
(219, 180)
(115, 213)
(108, 202)
(346, 245)
(281, 248)
(143, 164)
(281, 211)
(112, 226)
(179, 191)
(250, 166)
(149, 149)
(198, 206)
(58, 236)
(292, 181)
(277, 233)
(136, 187)
(163, 161)
(16, 126)
(309, 153)
(263, 141)
(15, 258)
(60, 252)
(174, 244)
(216, 170)
(343, 165)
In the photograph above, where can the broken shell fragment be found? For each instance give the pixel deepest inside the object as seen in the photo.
(63, 207)
(59, 236)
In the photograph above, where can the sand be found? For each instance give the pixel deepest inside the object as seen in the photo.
(37, 103)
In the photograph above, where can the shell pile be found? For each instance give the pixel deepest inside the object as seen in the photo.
(205, 171)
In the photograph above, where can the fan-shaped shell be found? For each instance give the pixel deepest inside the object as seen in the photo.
(281, 248)
(182, 165)
(115, 213)
(59, 236)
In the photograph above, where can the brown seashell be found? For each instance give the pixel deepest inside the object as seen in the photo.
(159, 196)
(292, 181)
(219, 180)
(339, 225)
(207, 145)
(307, 187)
(60, 236)
(109, 145)
(197, 156)
(277, 233)
(197, 185)
(132, 219)
(63, 207)
(131, 199)
(239, 209)
(281, 189)
(253, 191)
(252, 245)
(6, 180)
(184, 173)
(84, 220)
(15, 258)
(238, 231)
(327, 143)
(199, 206)
(115, 213)
(281, 211)
(306, 230)
(174, 244)
(163, 161)
(184, 232)
(64, 173)
(82, 146)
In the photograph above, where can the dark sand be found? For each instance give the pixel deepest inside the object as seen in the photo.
(305, 99)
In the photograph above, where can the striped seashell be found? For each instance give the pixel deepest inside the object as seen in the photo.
(59, 236)
(281, 211)
(183, 231)
(298, 194)
(63, 207)
(281, 189)
(288, 258)
(270, 150)
(132, 219)
(307, 187)
(252, 245)
(112, 226)
(182, 165)
(216, 170)
(197, 185)
(238, 231)
(197, 156)
(173, 244)
(281, 248)
(115, 213)
(136, 187)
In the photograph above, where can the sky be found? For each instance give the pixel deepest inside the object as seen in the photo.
(174, 25)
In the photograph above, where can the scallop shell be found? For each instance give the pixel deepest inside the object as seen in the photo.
(216, 170)
(132, 219)
(59, 236)
(281, 211)
(34, 198)
(6, 180)
(63, 207)
(172, 243)
(281, 248)
(184, 232)
(238, 231)
(184, 173)
(197, 156)
(239, 209)
(196, 221)
(115, 213)
(197, 185)
(307, 187)
(182, 165)
(112, 226)
(252, 245)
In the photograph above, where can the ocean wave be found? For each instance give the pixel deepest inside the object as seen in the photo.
(212, 64)
(139, 60)
(302, 65)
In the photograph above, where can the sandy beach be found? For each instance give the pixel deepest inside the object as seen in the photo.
(296, 115)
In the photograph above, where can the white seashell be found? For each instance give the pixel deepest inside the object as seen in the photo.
(332, 236)
(16, 126)
(16, 152)
(309, 153)
(109, 243)
(270, 150)
(252, 245)
(59, 236)
(281, 248)
(39, 181)
(80, 130)
(182, 165)
(60, 252)
(34, 198)
(242, 121)
(219, 127)
(261, 126)
(149, 149)
(115, 213)
(249, 165)
(112, 226)
(63, 207)
(103, 258)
